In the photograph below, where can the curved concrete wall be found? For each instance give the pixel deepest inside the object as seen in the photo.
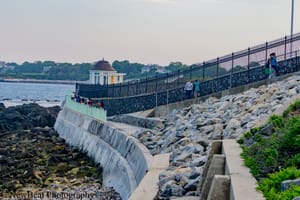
(125, 161)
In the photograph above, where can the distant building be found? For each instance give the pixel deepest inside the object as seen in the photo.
(4, 67)
(104, 74)
(161, 70)
(148, 68)
(46, 69)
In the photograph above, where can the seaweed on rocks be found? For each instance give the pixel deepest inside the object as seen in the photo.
(35, 162)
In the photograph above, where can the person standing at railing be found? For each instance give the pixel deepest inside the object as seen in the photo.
(90, 102)
(197, 88)
(101, 105)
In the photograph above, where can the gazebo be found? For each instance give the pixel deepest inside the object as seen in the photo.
(104, 74)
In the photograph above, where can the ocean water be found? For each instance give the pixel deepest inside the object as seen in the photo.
(12, 94)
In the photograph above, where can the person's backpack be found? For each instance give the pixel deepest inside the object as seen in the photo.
(267, 67)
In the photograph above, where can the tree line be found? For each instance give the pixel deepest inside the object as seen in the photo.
(80, 71)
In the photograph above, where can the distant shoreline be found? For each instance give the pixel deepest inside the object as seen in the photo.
(69, 82)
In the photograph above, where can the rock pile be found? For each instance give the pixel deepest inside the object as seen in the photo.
(36, 164)
(187, 133)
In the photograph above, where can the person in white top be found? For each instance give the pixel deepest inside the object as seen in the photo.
(188, 88)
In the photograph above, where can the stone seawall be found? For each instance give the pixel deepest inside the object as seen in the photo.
(124, 159)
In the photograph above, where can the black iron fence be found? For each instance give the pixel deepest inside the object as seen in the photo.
(215, 74)
(122, 105)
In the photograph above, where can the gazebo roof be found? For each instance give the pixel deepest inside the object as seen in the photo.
(103, 65)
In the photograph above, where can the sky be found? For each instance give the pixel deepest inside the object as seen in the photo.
(144, 31)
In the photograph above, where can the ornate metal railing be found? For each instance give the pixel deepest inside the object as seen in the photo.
(211, 73)
(121, 105)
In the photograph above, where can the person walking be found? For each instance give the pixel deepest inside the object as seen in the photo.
(188, 88)
(271, 67)
(274, 64)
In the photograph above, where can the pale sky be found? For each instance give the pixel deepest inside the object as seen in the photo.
(144, 31)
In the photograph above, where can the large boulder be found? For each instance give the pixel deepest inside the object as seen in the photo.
(285, 185)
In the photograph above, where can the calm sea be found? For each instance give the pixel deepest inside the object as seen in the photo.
(44, 94)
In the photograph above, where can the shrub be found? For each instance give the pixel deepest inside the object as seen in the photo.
(262, 157)
(246, 135)
(294, 160)
(271, 186)
(265, 155)
(292, 136)
(277, 121)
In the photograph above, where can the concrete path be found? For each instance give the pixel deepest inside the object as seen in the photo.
(148, 188)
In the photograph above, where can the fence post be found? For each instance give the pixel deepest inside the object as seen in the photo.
(232, 63)
(146, 85)
(113, 86)
(137, 87)
(128, 89)
(285, 47)
(156, 78)
(167, 81)
(203, 71)
(190, 72)
(156, 99)
(178, 76)
(77, 88)
(297, 62)
(167, 101)
(266, 54)
(249, 65)
(218, 60)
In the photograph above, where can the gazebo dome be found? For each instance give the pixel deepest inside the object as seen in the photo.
(103, 65)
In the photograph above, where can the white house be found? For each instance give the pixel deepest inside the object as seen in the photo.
(104, 74)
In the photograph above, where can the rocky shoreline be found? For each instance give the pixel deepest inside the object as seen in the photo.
(187, 133)
(36, 164)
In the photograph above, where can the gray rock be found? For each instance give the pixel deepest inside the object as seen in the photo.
(171, 189)
(203, 142)
(165, 174)
(183, 157)
(217, 133)
(198, 162)
(192, 185)
(166, 179)
(205, 130)
(233, 124)
(284, 185)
